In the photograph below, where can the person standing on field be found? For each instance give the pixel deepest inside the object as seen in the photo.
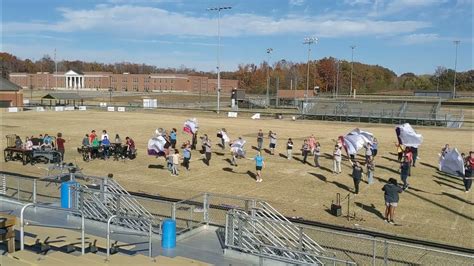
(207, 150)
(317, 154)
(337, 157)
(305, 149)
(391, 197)
(60, 145)
(289, 149)
(259, 164)
(260, 140)
(173, 138)
(356, 175)
(186, 155)
(370, 170)
(405, 172)
(273, 141)
(175, 166)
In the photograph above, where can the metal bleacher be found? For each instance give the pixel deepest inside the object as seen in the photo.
(380, 111)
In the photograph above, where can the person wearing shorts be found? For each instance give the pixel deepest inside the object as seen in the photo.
(259, 140)
(273, 141)
(259, 164)
(391, 191)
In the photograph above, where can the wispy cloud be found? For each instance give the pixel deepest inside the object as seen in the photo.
(390, 7)
(420, 38)
(168, 42)
(152, 21)
(296, 2)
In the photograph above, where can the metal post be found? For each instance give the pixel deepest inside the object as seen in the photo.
(308, 41)
(22, 225)
(385, 256)
(150, 253)
(374, 251)
(218, 9)
(173, 211)
(108, 235)
(456, 43)
(352, 67)
(269, 52)
(300, 238)
(18, 189)
(206, 208)
(34, 190)
(83, 244)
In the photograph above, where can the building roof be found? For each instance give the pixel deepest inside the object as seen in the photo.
(62, 96)
(6, 85)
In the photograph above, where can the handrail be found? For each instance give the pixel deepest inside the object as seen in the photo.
(22, 223)
(150, 232)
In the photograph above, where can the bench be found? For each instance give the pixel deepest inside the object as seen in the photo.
(7, 230)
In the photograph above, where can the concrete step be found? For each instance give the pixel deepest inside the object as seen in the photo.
(33, 258)
(70, 259)
(179, 261)
(10, 261)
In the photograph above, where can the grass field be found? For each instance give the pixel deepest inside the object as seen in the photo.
(434, 208)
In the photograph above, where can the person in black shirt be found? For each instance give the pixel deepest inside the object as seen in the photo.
(391, 197)
(356, 175)
(305, 150)
(405, 172)
(289, 149)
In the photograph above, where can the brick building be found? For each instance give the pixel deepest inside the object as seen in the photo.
(76, 80)
(10, 94)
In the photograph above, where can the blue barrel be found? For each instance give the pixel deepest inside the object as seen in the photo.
(168, 239)
(66, 194)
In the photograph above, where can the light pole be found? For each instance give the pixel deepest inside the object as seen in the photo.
(269, 52)
(352, 67)
(456, 43)
(218, 9)
(308, 41)
(55, 69)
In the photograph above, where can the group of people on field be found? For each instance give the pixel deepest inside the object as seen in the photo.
(102, 147)
(42, 142)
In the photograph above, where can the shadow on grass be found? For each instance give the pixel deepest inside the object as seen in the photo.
(228, 169)
(457, 198)
(429, 165)
(155, 166)
(388, 169)
(283, 155)
(447, 185)
(340, 185)
(320, 177)
(390, 159)
(370, 209)
(252, 174)
(439, 205)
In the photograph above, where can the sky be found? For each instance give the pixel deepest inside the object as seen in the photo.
(402, 35)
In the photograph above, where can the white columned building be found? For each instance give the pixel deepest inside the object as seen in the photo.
(74, 80)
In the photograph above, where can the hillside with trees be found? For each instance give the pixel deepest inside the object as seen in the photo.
(327, 73)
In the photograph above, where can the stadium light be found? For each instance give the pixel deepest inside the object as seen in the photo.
(308, 41)
(269, 52)
(456, 43)
(219, 9)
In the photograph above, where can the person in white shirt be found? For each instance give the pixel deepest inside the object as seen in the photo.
(104, 135)
(337, 156)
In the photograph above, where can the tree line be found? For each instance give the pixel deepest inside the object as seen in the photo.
(329, 74)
